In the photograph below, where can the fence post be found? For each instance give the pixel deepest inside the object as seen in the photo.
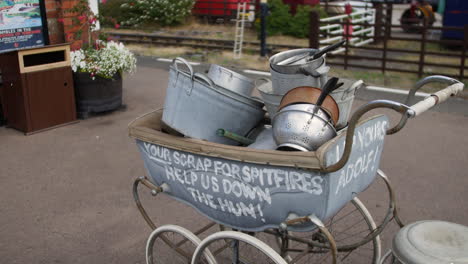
(346, 34)
(423, 48)
(263, 14)
(463, 56)
(378, 22)
(314, 30)
(388, 18)
(387, 29)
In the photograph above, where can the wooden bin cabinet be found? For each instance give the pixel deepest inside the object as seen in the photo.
(37, 90)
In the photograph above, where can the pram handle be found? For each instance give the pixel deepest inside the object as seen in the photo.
(426, 80)
(399, 107)
(437, 98)
(406, 111)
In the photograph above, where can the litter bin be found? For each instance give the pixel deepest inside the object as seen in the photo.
(37, 90)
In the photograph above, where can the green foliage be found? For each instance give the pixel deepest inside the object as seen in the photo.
(280, 20)
(112, 9)
(162, 12)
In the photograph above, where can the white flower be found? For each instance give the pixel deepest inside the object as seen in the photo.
(106, 62)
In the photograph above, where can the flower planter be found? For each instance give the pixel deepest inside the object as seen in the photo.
(98, 95)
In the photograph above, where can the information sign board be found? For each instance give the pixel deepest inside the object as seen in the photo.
(22, 24)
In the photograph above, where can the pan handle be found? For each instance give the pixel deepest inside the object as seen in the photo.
(185, 62)
(404, 110)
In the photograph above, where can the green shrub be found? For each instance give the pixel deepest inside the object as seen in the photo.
(162, 12)
(111, 9)
(280, 20)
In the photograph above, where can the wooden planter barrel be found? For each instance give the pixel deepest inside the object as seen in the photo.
(98, 95)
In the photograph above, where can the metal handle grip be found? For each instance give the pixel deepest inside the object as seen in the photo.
(437, 98)
(182, 60)
(429, 79)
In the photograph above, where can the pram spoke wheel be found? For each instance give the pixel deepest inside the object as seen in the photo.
(174, 244)
(231, 247)
(350, 227)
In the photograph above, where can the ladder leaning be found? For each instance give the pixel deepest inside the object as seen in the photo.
(240, 24)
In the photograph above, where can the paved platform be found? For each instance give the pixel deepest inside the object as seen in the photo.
(66, 193)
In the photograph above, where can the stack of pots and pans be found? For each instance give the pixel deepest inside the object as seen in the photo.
(306, 118)
(301, 67)
(197, 105)
(286, 77)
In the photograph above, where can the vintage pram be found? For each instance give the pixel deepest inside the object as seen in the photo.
(265, 199)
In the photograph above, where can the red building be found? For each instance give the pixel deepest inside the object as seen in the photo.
(228, 8)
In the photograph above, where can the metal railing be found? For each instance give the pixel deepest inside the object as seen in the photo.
(361, 34)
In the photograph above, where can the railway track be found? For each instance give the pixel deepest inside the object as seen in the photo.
(194, 42)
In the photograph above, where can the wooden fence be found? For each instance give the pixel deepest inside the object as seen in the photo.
(417, 53)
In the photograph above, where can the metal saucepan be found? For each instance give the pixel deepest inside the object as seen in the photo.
(310, 95)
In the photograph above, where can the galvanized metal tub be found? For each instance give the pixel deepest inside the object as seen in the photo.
(195, 107)
(250, 189)
(231, 80)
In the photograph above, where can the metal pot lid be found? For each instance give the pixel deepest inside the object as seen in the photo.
(430, 241)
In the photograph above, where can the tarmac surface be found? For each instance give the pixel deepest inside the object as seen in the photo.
(66, 193)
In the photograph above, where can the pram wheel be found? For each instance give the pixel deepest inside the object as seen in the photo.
(231, 247)
(174, 244)
(350, 227)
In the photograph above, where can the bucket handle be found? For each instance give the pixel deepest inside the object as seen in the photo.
(177, 60)
(221, 70)
(204, 78)
(187, 64)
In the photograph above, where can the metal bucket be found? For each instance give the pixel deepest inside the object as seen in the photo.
(231, 80)
(196, 107)
(344, 97)
(286, 77)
